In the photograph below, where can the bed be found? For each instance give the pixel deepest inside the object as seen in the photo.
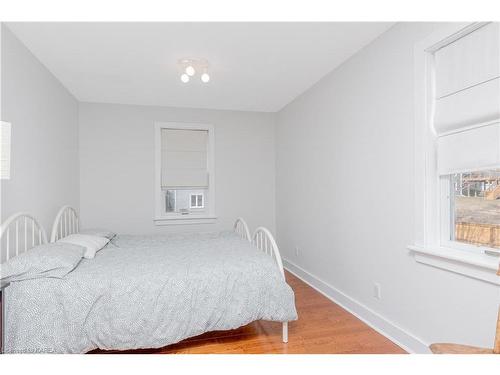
(145, 291)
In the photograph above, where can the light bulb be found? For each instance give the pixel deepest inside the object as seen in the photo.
(190, 71)
(185, 78)
(205, 77)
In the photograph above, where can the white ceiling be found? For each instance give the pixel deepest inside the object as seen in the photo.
(254, 66)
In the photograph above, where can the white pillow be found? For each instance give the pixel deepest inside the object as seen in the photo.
(99, 232)
(92, 244)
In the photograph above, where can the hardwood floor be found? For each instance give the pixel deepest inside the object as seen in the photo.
(323, 327)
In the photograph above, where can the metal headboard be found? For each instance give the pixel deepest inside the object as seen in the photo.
(19, 233)
(264, 240)
(241, 228)
(65, 223)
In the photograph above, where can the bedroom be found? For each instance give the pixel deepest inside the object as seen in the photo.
(332, 143)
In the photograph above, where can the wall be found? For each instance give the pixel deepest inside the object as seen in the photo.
(344, 183)
(44, 153)
(117, 166)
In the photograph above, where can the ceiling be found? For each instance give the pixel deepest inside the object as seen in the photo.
(253, 66)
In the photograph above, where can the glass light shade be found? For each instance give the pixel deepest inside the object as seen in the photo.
(190, 71)
(185, 78)
(205, 78)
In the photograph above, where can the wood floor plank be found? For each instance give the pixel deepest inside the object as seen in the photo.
(323, 327)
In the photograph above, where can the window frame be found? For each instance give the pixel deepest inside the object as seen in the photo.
(432, 192)
(207, 217)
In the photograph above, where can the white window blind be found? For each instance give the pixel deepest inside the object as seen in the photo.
(5, 139)
(468, 97)
(184, 158)
(471, 150)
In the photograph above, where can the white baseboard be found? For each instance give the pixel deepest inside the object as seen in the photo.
(393, 332)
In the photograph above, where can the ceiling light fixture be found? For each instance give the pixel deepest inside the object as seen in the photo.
(189, 67)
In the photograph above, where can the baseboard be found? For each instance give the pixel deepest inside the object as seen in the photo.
(393, 332)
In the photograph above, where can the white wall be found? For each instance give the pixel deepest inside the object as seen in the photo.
(44, 117)
(348, 143)
(117, 166)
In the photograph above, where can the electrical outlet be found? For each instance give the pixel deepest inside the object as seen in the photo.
(377, 291)
(297, 251)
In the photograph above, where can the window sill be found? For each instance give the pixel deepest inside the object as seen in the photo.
(479, 266)
(182, 220)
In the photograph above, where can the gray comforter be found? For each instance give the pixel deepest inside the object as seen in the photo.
(148, 292)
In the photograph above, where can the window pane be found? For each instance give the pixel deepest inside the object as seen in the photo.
(185, 201)
(475, 207)
(170, 201)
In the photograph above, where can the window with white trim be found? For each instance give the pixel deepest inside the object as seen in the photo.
(184, 172)
(462, 145)
(5, 149)
(467, 125)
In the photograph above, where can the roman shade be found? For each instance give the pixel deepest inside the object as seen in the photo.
(467, 101)
(184, 158)
(471, 150)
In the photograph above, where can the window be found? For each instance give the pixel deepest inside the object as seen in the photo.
(467, 125)
(474, 208)
(5, 134)
(184, 173)
(458, 150)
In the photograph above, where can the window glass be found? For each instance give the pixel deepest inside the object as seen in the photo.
(170, 201)
(475, 208)
(184, 201)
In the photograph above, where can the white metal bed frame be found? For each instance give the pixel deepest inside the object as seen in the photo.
(263, 240)
(26, 234)
(19, 233)
(66, 222)
(241, 228)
